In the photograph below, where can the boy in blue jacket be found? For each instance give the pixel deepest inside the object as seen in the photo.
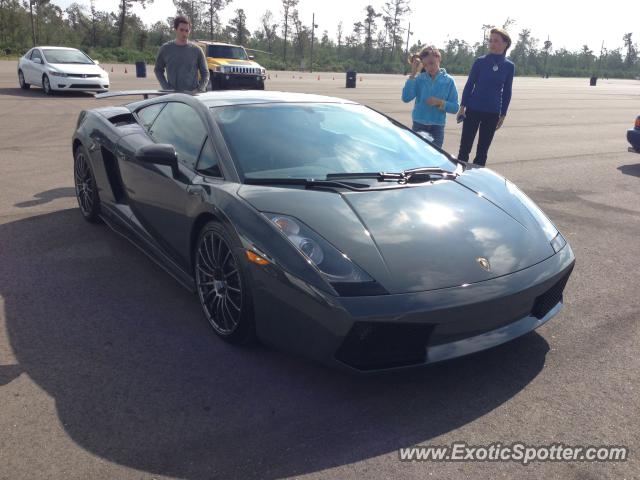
(434, 91)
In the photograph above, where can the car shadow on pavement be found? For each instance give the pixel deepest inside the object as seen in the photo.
(48, 196)
(139, 378)
(37, 92)
(633, 169)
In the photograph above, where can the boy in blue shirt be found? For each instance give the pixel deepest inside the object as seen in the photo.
(434, 91)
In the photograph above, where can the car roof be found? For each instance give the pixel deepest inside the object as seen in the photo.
(56, 48)
(245, 97)
(209, 42)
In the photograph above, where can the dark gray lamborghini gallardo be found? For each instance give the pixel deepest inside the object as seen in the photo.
(320, 226)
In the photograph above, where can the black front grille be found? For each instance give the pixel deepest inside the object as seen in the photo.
(88, 85)
(376, 345)
(549, 299)
(83, 75)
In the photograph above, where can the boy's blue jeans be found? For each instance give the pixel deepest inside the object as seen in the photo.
(436, 131)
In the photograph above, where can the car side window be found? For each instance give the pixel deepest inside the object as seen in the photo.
(179, 125)
(36, 54)
(209, 163)
(148, 114)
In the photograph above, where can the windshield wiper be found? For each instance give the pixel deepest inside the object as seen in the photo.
(381, 176)
(412, 175)
(423, 174)
(306, 182)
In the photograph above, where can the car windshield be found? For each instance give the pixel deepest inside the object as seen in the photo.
(66, 56)
(226, 51)
(310, 141)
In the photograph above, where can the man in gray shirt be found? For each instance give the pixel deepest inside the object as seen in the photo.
(182, 60)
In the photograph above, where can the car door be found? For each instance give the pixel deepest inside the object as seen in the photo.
(32, 67)
(24, 64)
(162, 199)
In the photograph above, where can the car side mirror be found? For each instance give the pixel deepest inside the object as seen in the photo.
(159, 154)
(97, 62)
(251, 57)
(37, 60)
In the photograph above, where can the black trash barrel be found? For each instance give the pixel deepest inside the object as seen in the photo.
(593, 81)
(141, 69)
(351, 78)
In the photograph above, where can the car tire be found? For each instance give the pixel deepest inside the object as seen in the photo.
(222, 284)
(23, 85)
(85, 186)
(46, 85)
(260, 85)
(212, 83)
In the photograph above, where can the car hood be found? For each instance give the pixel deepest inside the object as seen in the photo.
(77, 68)
(235, 62)
(422, 237)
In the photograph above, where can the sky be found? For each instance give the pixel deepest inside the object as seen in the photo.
(567, 23)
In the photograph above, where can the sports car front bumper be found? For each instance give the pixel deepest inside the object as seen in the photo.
(391, 331)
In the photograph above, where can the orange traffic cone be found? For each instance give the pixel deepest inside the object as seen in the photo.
(318, 77)
(111, 69)
(334, 78)
(276, 75)
(125, 69)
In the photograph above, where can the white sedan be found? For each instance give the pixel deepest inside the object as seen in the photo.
(60, 69)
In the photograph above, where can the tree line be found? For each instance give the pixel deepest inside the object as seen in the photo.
(379, 42)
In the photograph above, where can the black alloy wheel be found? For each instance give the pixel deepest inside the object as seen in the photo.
(86, 189)
(222, 285)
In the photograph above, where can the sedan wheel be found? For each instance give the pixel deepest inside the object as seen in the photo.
(46, 85)
(222, 286)
(86, 190)
(23, 85)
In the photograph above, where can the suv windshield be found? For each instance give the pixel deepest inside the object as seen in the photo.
(66, 56)
(307, 141)
(226, 51)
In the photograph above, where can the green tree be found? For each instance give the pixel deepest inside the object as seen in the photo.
(370, 30)
(238, 27)
(125, 8)
(269, 29)
(632, 54)
(212, 11)
(394, 12)
(287, 9)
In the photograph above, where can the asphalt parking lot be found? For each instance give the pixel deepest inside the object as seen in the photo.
(108, 369)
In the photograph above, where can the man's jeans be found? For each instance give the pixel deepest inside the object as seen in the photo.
(436, 131)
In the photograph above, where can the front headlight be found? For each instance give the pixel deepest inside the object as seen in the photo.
(57, 74)
(551, 232)
(336, 267)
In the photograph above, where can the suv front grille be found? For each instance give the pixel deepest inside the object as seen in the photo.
(242, 70)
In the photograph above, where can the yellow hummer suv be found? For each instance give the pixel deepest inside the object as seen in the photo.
(231, 67)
